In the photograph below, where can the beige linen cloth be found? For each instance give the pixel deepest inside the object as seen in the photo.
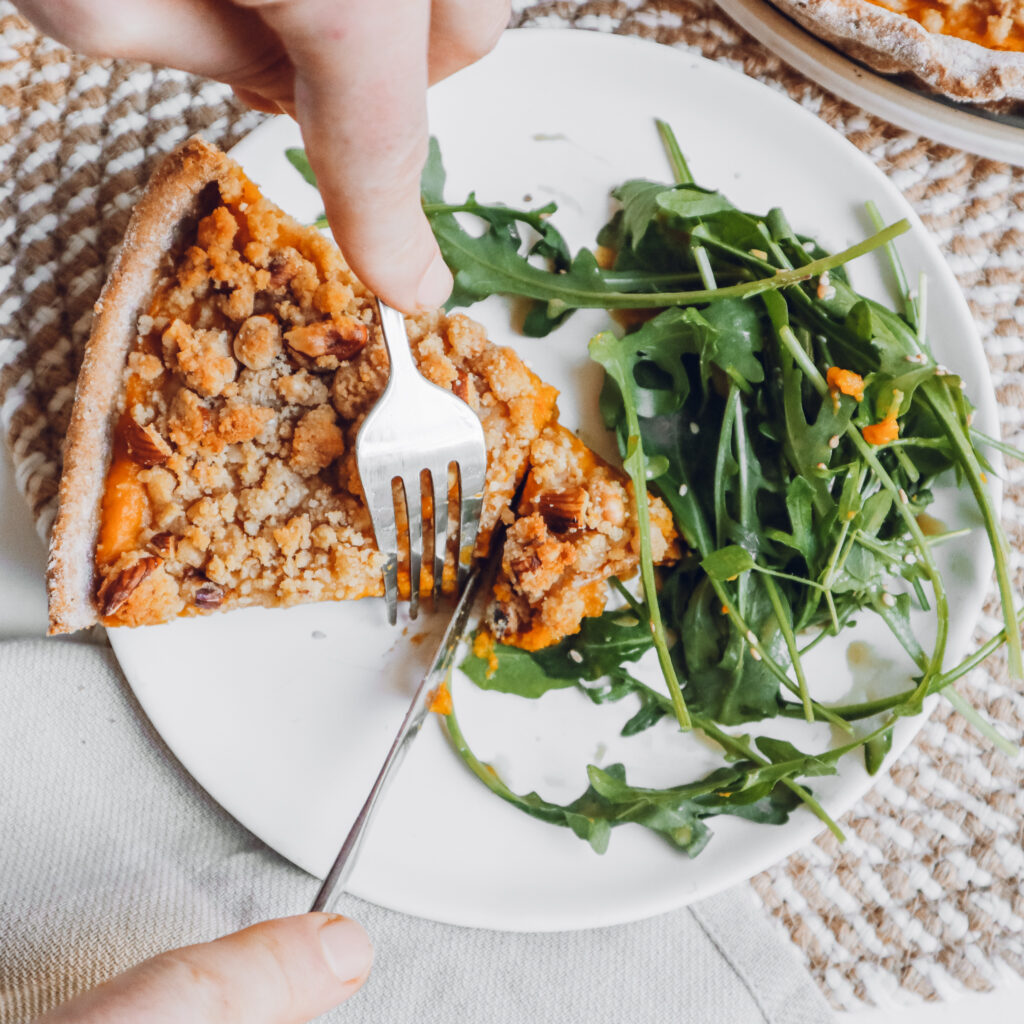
(112, 853)
(925, 896)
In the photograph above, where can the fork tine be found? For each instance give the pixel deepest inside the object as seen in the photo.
(412, 422)
(471, 486)
(439, 484)
(387, 543)
(414, 518)
(414, 514)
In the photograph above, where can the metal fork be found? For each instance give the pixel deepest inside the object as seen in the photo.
(418, 428)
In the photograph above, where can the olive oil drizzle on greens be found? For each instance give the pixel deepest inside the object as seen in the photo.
(791, 516)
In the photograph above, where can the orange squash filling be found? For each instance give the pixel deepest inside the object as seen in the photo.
(995, 24)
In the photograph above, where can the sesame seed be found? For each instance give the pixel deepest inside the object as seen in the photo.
(751, 637)
(759, 253)
(903, 496)
(916, 357)
(833, 442)
(576, 656)
(821, 465)
(683, 490)
(755, 654)
(910, 558)
(694, 429)
(888, 600)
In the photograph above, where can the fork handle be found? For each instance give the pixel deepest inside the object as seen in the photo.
(396, 339)
(419, 707)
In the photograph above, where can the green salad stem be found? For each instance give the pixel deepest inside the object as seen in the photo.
(605, 350)
(676, 160)
(785, 627)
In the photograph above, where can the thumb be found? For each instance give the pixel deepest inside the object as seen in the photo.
(286, 971)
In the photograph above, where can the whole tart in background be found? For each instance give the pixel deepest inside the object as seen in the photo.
(968, 50)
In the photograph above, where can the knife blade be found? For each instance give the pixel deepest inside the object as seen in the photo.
(419, 707)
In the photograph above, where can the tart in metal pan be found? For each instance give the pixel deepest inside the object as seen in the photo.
(968, 50)
(989, 130)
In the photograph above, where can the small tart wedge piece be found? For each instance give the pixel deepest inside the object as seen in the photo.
(210, 463)
(574, 526)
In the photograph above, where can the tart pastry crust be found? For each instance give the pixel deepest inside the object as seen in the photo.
(894, 43)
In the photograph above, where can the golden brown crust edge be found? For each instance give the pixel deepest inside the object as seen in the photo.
(169, 198)
(892, 43)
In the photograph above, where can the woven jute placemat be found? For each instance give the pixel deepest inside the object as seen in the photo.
(926, 894)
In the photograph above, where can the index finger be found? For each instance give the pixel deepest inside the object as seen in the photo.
(361, 77)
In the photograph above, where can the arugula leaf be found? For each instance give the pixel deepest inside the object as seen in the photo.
(676, 813)
(724, 680)
(691, 202)
(640, 207)
(783, 754)
(738, 338)
(296, 156)
(728, 562)
(603, 645)
(514, 671)
(875, 751)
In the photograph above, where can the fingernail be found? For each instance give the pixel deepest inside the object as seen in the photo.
(435, 285)
(347, 948)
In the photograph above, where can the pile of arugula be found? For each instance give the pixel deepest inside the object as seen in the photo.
(799, 507)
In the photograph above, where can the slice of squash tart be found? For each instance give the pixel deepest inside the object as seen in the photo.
(210, 461)
(210, 458)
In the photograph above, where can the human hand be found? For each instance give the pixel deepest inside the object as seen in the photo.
(286, 971)
(354, 74)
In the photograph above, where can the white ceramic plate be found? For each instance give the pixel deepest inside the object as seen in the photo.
(284, 716)
(962, 125)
